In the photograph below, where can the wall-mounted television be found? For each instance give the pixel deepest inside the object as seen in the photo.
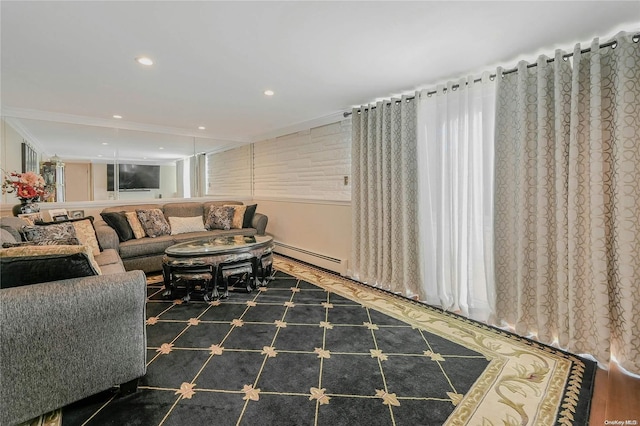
(133, 177)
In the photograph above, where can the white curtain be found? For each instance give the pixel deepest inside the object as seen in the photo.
(384, 197)
(567, 201)
(455, 154)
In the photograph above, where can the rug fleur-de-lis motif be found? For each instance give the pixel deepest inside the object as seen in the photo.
(387, 398)
(250, 393)
(216, 349)
(322, 353)
(186, 390)
(377, 353)
(165, 348)
(318, 394)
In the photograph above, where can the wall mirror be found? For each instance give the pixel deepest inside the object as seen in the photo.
(93, 152)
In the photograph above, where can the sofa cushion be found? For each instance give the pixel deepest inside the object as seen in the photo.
(145, 246)
(153, 222)
(109, 262)
(7, 237)
(248, 216)
(186, 209)
(182, 225)
(219, 217)
(36, 264)
(118, 221)
(136, 226)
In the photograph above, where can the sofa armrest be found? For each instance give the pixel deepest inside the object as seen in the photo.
(64, 340)
(260, 223)
(107, 236)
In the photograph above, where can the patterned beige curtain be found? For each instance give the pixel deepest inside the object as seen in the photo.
(384, 197)
(567, 201)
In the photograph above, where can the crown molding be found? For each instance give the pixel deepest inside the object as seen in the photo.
(33, 114)
(26, 135)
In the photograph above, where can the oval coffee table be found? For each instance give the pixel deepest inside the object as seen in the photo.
(212, 258)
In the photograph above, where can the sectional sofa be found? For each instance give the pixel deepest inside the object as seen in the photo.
(145, 253)
(77, 329)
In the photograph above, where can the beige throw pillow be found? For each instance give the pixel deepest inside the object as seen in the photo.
(238, 215)
(182, 225)
(86, 234)
(136, 226)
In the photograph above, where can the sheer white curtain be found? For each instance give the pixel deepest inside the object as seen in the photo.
(455, 158)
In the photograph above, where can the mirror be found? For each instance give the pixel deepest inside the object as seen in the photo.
(92, 152)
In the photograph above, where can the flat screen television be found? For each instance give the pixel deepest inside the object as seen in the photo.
(133, 177)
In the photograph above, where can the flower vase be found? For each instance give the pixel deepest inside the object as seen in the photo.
(26, 206)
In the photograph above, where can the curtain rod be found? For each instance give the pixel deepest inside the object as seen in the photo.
(635, 38)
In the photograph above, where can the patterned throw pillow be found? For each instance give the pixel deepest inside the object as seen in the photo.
(86, 233)
(65, 242)
(238, 215)
(153, 222)
(219, 217)
(182, 225)
(58, 231)
(136, 226)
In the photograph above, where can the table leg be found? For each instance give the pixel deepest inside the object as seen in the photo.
(168, 286)
(254, 271)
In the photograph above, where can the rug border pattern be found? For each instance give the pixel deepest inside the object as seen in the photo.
(519, 369)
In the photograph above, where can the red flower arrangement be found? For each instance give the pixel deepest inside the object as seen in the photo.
(27, 186)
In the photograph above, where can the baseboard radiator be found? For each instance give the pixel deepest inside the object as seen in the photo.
(320, 260)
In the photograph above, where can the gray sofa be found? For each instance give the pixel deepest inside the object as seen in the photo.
(64, 340)
(146, 253)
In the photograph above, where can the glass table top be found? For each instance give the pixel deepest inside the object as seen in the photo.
(218, 245)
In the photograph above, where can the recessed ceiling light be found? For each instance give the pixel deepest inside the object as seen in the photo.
(162, 147)
(117, 116)
(201, 128)
(105, 143)
(268, 92)
(99, 155)
(143, 60)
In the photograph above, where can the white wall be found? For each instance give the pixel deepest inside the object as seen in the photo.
(229, 173)
(298, 182)
(309, 165)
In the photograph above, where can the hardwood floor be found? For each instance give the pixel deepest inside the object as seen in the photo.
(616, 399)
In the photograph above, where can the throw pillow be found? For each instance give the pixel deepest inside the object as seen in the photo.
(118, 221)
(248, 216)
(136, 226)
(57, 231)
(153, 222)
(238, 215)
(63, 242)
(182, 225)
(86, 233)
(219, 217)
(36, 264)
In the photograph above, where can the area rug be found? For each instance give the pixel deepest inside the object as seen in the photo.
(314, 348)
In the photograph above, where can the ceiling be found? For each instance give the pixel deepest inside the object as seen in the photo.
(68, 67)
